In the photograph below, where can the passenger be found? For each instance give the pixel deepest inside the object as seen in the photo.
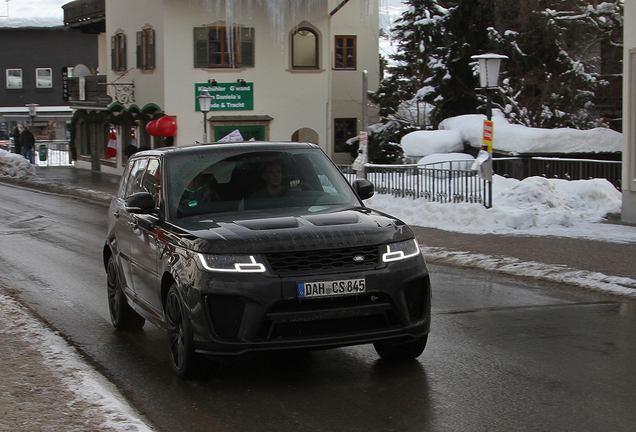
(274, 186)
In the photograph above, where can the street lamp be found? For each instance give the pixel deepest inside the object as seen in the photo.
(489, 65)
(33, 111)
(204, 105)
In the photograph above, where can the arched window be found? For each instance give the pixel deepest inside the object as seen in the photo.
(305, 49)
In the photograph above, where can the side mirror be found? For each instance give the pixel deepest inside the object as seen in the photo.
(364, 188)
(141, 203)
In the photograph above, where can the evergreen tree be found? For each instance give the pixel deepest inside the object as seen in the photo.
(549, 80)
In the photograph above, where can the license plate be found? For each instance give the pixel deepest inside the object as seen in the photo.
(331, 288)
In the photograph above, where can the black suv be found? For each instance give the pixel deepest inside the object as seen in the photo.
(235, 248)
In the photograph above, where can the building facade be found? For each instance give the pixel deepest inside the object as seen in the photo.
(32, 62)
(298, 78)
(629, 109)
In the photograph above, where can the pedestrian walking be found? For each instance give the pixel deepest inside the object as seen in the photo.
(27, 139)
(17, 147)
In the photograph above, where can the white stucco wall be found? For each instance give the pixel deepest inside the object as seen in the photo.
(294, 99)
(629, 109)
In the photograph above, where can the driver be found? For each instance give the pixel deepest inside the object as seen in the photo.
(274, 185)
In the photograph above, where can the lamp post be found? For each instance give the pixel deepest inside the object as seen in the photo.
(33, 111)
(204, 105)
(489, 65)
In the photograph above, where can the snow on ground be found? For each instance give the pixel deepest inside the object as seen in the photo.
(89, 387)
(14, 165)
(516, 139)
(534, 206)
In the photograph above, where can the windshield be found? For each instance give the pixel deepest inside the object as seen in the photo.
(217, 182)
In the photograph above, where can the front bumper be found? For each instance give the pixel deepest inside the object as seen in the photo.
(239, 313)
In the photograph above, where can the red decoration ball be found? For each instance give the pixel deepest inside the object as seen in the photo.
(167, 126)
(151, 127)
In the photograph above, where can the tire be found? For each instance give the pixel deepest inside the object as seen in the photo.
(180, 338)
(401, 352)
(122, 316)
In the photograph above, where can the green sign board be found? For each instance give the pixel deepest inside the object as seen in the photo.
(227, 96)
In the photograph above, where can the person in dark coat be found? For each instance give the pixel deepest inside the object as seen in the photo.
(17, 147)
(27, 139)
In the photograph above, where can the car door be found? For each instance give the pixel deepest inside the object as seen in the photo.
(122, 220)
(143, 243)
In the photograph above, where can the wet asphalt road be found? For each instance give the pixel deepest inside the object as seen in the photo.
(503, 355)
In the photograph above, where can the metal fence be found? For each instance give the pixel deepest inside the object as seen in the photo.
(455, 182)
(447, 182)
(563, 168)
(57, 153)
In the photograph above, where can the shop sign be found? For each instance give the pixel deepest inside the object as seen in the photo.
(227, 96)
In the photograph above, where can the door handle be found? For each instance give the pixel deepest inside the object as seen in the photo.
(116, 214)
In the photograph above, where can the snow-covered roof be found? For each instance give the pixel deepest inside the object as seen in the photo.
(31, 13)
(518, 139)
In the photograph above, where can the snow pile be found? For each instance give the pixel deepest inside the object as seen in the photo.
(534, 206)
(518, 139)
(14, 165)
(428, 142)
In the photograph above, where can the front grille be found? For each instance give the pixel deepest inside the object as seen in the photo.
(324, 317)
(318, 261)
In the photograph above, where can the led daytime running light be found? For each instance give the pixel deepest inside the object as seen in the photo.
(253, 267)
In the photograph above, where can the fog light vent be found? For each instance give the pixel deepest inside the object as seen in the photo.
(417, 294)
(226, 314)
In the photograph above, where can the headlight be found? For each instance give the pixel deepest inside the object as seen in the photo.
(231, 263)
(401, 250)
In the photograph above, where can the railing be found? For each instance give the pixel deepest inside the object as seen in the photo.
(569, 169)
(447, 182)
(57, 154)
(454, 182)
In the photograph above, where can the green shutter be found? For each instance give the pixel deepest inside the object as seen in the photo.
(200, 47)
(140, 50)
(151, 48)
(123, 53)
(247, 47)
(113, 54)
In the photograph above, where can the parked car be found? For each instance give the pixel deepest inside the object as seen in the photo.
(237, 248)
(5, 141)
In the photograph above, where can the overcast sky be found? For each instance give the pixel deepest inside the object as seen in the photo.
(49, 13)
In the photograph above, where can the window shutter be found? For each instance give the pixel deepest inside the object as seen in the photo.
(247, 47)
(123, 52)
(200, 47)
(151, 49)
(140, 50)
(113, 53)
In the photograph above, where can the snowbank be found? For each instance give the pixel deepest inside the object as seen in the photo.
(423, 143)
(517, 139)
(534, 206)
(14, 165)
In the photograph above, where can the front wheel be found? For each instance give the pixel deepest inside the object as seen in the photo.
(180, 338)
(122, 316)
(403, 351)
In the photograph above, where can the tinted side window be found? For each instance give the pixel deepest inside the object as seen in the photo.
(136, 176)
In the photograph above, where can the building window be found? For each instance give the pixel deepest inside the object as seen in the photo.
(305, 49)
(118, 52)
(223, 47)
(44, 78)
(344, 129)
(146, 49)
(14, 78)
(345, 52)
